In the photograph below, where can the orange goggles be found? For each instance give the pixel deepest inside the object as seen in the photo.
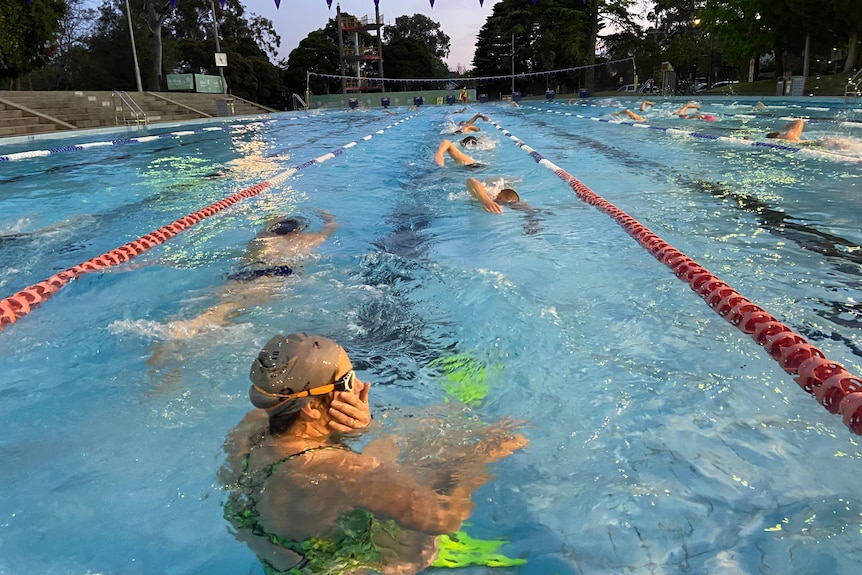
(343, 383)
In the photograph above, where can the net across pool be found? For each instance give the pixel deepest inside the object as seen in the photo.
(662, 438)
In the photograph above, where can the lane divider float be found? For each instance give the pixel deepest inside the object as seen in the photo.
(18, 156)
(23, 302)
(835, 388)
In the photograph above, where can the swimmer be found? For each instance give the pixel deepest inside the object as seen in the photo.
(683, 112)
(699, 116)
(645, 105)
(306, 501)
(446, 146)
(461, 111)
(509, 198)
(792, 131)
(270, 257)
(506, 196)
(469, 141)
(470, 125)
(630, 114)
(514, 104)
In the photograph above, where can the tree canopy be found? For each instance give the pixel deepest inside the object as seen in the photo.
(29, 35)
(66, 44)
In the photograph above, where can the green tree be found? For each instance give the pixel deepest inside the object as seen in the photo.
(30, 35)
(317, 52)
(423, 30)
(847, 19)
(408, 58)
(550, 35)
(414, 47)
(248, 40)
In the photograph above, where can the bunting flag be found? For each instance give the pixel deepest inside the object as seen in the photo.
(223, 1)
(277, 4)
(329, 4)
(432, 3)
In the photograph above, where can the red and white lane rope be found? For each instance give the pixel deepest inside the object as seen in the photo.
(835, 388)
(22, 303)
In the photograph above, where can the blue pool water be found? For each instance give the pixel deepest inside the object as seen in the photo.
(663, 440)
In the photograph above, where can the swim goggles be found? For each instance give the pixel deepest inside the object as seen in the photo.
(343, 383)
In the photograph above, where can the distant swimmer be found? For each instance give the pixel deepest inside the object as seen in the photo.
(792, 132)
(630, 114)
(684, 110)
(505, 197)
(645, 105)
(493, 205)
(470, 125)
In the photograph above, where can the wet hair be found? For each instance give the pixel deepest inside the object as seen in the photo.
(470, 141)
(507, 196)
(773, 134)
(287, 226)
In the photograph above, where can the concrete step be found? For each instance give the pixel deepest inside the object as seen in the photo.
(104, 109)
(7, 131)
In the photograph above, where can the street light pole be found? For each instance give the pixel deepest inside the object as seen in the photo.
(513, 62)
(218, 47)
(134, 50)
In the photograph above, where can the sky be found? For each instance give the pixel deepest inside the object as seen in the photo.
(461, 20)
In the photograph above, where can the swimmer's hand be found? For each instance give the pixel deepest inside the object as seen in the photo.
(325, 217)
(349, 410)
(493, 207)
(499, 440)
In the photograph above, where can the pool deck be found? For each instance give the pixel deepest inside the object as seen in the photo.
(24, 113)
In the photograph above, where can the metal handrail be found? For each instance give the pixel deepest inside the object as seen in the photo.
(297, 99)
(853, 86)
(138, 116)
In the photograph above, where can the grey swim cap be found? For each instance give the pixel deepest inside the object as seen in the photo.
(290, 364)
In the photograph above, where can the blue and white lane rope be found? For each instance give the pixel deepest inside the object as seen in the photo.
(823, 154)
(137, 140)
(23, 302)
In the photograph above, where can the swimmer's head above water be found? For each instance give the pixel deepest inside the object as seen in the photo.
(470, 141)
(507, 196)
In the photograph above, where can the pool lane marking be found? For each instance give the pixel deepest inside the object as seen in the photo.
(726, 139)
(137, 140)
(835, 388)
(23, 302)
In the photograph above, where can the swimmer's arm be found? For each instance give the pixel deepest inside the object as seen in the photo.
(477, 189)
(441, 150)
(389, 491)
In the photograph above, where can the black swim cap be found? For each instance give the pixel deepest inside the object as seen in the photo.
(288, 225)
(469, 140)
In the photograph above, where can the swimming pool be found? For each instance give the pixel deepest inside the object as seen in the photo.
(663, 440)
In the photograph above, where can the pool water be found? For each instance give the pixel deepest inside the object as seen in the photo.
(662, 439)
